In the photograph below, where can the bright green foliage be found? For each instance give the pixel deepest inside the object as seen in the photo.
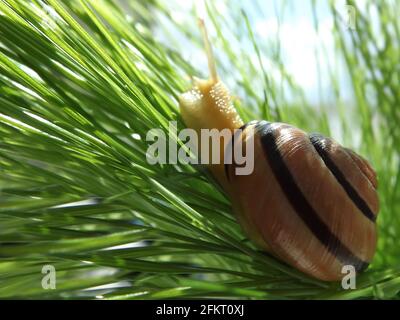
(76, 84)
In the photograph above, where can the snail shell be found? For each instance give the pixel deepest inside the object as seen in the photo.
(309, 201)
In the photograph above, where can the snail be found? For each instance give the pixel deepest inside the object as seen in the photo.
(309, 201)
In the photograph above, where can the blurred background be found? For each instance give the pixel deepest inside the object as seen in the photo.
(83, 81)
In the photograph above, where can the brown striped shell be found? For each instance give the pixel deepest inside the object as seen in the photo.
(309, 201)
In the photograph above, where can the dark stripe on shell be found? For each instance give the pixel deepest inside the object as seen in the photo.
(300, 204)
(229, 147)
(323, 146)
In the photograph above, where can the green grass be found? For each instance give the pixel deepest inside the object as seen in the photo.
(74, 87)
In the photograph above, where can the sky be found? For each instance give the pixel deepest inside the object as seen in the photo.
(300, 43)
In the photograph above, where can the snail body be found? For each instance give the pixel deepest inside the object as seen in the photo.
(309, 201)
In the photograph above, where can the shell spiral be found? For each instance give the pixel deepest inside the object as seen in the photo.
(309, 201)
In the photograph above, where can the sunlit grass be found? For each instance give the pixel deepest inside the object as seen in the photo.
(79, 85)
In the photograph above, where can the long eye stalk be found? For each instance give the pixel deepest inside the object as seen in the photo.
(210, 56)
